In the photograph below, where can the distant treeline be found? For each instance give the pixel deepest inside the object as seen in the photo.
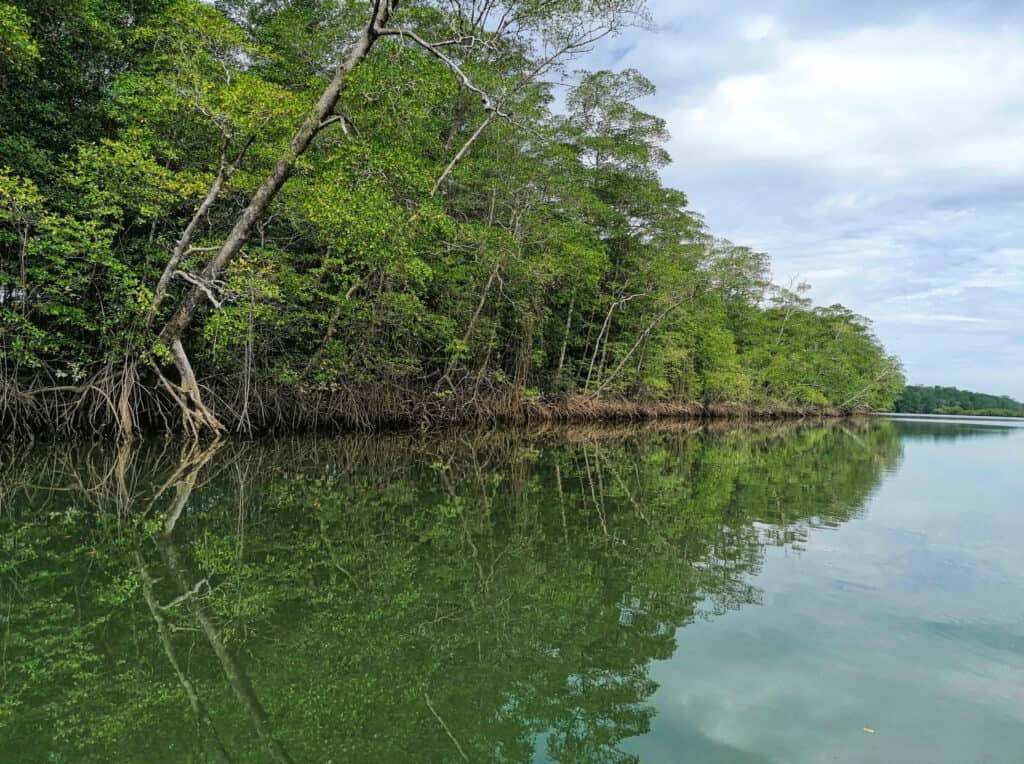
(923, 399)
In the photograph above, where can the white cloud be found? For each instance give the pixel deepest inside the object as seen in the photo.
(757, 28)
(890, 101)
(934, 318)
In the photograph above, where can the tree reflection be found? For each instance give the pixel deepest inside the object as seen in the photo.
(389, 598)
(947, 430)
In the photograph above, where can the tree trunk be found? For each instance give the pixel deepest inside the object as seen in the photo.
(178, 323)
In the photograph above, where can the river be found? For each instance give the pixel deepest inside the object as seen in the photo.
(847, 592)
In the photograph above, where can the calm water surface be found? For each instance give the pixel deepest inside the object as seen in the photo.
(849, 593)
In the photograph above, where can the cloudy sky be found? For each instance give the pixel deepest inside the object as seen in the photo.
(873, 148)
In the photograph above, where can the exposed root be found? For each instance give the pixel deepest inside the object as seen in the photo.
(109, 401)
(117, 401)
(196, 418)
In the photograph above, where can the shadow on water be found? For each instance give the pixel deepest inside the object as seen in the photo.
(394, 598)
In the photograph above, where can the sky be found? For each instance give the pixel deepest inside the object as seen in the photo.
(874, 149)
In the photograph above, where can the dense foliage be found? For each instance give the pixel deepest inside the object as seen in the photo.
(249, 214)
(921, 399)
(388, 599)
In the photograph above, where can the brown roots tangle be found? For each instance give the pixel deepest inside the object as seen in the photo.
(108, 401)
(122, 400)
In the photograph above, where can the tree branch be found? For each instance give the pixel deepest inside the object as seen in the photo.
(488, 101)
(206, 287)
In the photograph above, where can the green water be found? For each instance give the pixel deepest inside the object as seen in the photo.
(600, 595)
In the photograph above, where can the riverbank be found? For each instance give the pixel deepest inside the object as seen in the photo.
(93, 412)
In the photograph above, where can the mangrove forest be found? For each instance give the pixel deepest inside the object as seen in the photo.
(282, 215)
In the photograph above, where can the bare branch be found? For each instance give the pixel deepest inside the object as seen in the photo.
(207, 287)
(347, 125)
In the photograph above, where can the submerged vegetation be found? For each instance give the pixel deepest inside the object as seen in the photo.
(921, 399)
(248, 215)
(389, 598)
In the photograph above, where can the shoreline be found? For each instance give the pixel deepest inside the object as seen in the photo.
(396, 411)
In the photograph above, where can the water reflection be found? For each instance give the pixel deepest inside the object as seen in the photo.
(950, 429)
(466, 598)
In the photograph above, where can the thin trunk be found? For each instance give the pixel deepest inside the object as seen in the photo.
(522, 362)
(565, 340)
(183, 246)
(480, 305)
(640, 365)
(597, 343)
(184, 242)
(461, 153)
(458, 118)
(23, 268)
(885, 373)
(474, 318)
(606, 333)
(639, 340)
